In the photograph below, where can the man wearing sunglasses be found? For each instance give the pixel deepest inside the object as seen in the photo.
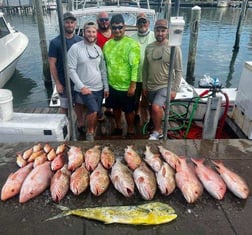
(122, 55)
(87, 70)
(103, 35)
(104, 31)
(156, 75)
(144, 36)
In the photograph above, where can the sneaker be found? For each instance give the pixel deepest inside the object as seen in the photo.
(90, 137)
(155, 136)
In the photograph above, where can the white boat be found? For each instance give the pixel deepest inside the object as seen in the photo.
(12, 46)
(130, 12)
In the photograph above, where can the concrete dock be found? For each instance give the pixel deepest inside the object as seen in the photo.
(206, 216)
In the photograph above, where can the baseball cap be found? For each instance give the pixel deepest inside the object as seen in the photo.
(90, 24)
(162, 23)
(142, 16)
(69, 15)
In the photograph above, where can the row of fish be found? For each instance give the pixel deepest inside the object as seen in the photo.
(96, 168)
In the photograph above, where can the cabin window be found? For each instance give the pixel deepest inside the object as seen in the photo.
(3, 28)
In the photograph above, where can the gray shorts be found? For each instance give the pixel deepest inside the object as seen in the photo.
(63, 100)
(158, 97)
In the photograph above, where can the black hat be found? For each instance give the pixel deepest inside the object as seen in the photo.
(69, 15)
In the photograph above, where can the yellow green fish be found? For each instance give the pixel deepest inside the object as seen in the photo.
(152, 213)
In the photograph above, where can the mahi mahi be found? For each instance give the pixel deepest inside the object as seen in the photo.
(145, 214)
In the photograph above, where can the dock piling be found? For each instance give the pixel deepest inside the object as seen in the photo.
(195, 19)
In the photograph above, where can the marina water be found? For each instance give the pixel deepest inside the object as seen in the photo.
(214, 56)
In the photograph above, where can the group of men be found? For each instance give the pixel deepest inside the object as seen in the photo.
(106, 63)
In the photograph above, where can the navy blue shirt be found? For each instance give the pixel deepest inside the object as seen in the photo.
(56, 51)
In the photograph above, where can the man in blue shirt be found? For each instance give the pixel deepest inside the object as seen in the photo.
(55, 55)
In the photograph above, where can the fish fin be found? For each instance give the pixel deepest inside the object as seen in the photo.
(66, 212)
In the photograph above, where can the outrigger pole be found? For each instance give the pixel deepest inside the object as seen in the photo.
(67, 79)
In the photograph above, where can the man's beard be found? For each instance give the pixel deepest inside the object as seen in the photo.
(103, 28)
(88, 40)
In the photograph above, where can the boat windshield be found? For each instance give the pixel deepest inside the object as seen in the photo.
(3, 28)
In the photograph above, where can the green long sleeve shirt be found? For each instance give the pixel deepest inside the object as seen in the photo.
(122, 59)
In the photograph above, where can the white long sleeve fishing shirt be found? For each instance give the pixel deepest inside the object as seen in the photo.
(86, 67)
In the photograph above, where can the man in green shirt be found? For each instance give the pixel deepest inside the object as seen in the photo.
(122, 56)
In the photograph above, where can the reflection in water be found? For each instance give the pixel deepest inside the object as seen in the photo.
(231, 68)
(24, 85)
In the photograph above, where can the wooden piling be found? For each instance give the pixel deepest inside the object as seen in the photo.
(43, 45)
(238, 32)
(195, 19)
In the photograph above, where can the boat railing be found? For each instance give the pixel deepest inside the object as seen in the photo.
(81, 4)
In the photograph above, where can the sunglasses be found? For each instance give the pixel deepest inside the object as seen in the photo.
(141, 21)
(120, 27)
(104, 19)
(92, 56)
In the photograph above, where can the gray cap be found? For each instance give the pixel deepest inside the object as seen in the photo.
(69, 15)
(162, 23)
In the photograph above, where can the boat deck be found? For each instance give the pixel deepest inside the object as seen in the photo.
(206, 216)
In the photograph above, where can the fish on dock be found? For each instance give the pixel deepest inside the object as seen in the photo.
(75, 158)
(171, 158)
(187, 181)
(107, 157)
(79, 180)
(99, 180)
(153, 160)
(235, 183)
(14, 182)
(210, 179)
(92, 157)
(145, 181)
(152, 213)
(166, 179)
(132, 158)
(122, 178)
(60, 184)
(37, 181)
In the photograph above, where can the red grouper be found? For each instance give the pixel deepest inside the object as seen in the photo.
(14, 182)
(187, 181)
(211, 180)
(36, 182)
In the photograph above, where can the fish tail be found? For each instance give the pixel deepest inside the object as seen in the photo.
(65, 212)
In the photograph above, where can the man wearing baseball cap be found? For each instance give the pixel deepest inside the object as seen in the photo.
(156, 74)
(55, 56)
(144, 36)
(87, 70)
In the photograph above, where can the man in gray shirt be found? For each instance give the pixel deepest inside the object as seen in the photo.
(87, 70)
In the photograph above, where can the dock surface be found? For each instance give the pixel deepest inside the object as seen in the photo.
(206, 216)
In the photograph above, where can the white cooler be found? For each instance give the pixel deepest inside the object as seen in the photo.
(30, 127)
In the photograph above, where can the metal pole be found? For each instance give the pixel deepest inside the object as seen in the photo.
(168, 97)
(170, 78)
(67, 79)
(195, 19)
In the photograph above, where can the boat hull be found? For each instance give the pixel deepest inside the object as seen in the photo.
(12, 46)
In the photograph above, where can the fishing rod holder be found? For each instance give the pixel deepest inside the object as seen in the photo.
(176, 28)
